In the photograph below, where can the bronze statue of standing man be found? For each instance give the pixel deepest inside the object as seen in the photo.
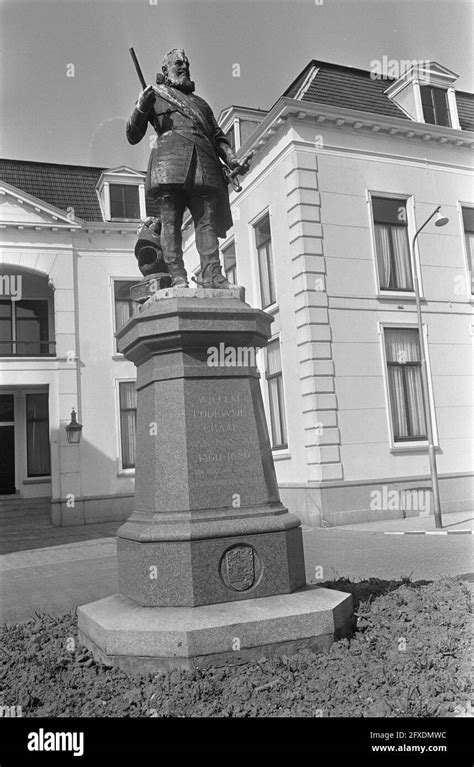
(185, 168)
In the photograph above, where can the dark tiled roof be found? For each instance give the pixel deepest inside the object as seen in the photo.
(60, 185)
(351, 88)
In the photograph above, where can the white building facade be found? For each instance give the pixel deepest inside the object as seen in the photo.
(338, 186)
(74, 265)
(346, 168)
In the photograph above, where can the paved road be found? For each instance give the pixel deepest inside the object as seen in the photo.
(362, 555)
(17, 536)
(58, 578)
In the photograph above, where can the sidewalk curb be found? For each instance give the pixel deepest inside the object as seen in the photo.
(387, 532)
(428, 532)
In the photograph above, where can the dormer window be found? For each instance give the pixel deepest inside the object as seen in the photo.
(238, 123)
(121, 193)
(124, 202)
(425, 93)
(435, 105)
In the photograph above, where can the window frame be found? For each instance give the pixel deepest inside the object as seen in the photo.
(17, 455)
(382, 293)
(122, 185)
(29, 476)
(433, 105)
(115, 353)
(121, 469)
(228, 244)
(254, 224)
(469, 267)
(14, 342)
(409, 445)
(281, 396)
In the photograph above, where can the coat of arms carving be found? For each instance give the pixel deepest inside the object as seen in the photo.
(238, 567)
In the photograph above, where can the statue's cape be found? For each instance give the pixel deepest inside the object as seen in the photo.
(192, 111)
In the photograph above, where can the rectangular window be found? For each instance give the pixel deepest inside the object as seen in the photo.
(37, 435)
(31, 327)
(124, 306)
(124, 201)
(24, 328)
(128, 422)
(402, 348)
(6, 328)
(230, 263)
(468, 221)
(435, 105)
(7, 445)
(391, 243)
(275, 395)
(6, 408)
(263, 242)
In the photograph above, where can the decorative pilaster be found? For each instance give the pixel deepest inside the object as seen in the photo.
(316, 365)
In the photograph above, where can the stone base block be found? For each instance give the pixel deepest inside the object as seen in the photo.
(151, 639)
(203, 571)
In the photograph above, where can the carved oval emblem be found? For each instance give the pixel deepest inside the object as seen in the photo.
(240, 567)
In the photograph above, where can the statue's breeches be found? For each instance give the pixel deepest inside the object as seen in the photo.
(203, 208)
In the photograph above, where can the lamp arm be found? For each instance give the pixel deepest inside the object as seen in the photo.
(418, 231)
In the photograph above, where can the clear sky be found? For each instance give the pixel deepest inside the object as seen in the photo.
(50, 116)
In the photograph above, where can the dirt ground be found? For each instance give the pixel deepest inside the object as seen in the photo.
(410, 656)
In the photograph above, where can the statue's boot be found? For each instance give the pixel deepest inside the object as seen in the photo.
(177, 272)
(212, 277)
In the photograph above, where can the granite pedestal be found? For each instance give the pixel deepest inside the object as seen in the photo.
(208, 528)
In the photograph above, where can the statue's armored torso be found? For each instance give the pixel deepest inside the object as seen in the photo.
(178, 136)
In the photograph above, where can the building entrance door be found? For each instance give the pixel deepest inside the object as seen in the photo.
(7, 445)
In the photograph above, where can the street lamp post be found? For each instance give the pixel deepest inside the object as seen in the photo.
(440, 221)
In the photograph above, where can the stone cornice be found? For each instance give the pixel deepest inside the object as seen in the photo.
(115, 227)
(365, 122)
(96, 227)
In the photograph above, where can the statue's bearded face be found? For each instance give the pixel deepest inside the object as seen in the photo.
(177, 71)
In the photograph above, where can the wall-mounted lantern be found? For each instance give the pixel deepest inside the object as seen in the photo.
(73, 430)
